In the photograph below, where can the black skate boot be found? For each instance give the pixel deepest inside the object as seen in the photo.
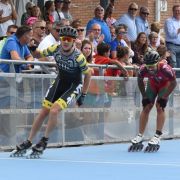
(38, 149)
(153, 144)
(21, 149)
(137, 144)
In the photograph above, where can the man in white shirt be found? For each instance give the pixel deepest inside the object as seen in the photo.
(7, 15)
(172, 30)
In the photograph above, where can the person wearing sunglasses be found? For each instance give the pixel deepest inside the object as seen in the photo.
(66, 89)
(77, 23)
(98, 19)
(10, 31)
(142, 21)
(161, 82)
(129, 20)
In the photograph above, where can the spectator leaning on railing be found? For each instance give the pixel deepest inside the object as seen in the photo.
(16, 48)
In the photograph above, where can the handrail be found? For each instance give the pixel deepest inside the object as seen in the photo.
(41, 63)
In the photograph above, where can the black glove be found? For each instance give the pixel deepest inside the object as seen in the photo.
(145, 101)
(162, 102)
(81, 98)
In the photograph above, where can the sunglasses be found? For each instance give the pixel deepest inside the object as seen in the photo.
(145, 13)
(99, 9)
(41, 27)
(59, 1)
(12, 32)
(80, 30)
(66, 38)
(67, 2)
(122, 33)
(57, 30)
(96, 29)
(133, 9)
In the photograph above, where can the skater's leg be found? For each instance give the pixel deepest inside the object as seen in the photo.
(52, 121)
(144, 118)
(38, 122)
(160, 118)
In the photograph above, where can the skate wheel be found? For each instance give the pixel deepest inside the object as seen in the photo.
(130, 149)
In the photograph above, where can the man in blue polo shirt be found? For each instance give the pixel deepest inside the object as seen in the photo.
(98, 19)
(16, 48)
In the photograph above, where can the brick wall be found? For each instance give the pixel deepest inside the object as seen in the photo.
(84, 9)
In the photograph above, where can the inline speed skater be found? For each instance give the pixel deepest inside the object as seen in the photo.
(161, 82)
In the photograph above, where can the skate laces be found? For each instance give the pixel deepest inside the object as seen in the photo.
(137, 139)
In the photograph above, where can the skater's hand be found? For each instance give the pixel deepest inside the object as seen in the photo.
(145, 101)
(162, 102)
(80, 100)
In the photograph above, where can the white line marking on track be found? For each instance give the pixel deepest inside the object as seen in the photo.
(170, 164)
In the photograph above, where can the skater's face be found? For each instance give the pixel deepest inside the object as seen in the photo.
(151, 68)
(67, 42)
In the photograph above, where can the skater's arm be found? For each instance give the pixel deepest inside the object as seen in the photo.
(170, 88)
(46, 52)
(87, 79)
(141, 87)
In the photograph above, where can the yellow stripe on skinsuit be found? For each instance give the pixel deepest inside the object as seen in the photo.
(81, 60)
(61, 103)
(47, 104)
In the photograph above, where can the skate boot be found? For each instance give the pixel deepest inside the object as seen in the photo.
(38, 149)
(153, 144)
(137, 144)
(21, 149)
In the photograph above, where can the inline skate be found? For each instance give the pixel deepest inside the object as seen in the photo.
(38, 149)
(153, 144)
(21, 149)
(137, 144)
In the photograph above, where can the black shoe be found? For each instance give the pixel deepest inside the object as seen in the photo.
(25, 145)
(41, 146)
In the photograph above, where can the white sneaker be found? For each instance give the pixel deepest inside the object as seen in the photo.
(137, 139)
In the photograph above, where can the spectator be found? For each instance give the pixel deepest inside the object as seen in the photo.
(108, 15)
(66, 10)
(10, 31)
(95, 36)
(121, 32)
(58, 15)
(102, 57)
(35, 15)
(140, 47)
(27, 14)
(49, 40)
(142, 21)
(52, 38)
(123, 58)
(156, 27)
(87, 50)
(16, 48)
(49, 10)
(8, 15)
(153, 37)
(172, 31)
(39, 28)
(164, 53)
(129, 20)
(113, 32)
(77, 24)
(98, 19)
